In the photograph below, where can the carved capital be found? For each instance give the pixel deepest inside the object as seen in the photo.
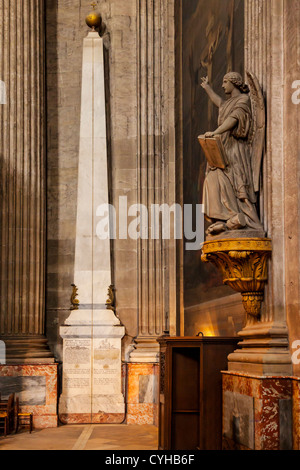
(243, 263)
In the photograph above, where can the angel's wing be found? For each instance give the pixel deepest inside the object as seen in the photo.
(257, 137)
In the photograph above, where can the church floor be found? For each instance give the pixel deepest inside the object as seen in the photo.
(84, 437)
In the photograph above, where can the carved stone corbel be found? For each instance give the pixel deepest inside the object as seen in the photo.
(243, 263)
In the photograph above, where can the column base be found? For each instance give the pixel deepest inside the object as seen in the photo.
(27, 350)
(264, 350)
(258, 368)
(146, 350)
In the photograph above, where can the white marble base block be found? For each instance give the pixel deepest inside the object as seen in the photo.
(92, 379)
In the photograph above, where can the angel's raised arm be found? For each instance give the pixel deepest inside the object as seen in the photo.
(216, 99)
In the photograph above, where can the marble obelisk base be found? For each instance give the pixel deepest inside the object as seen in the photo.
(92, 374)
(260, 412)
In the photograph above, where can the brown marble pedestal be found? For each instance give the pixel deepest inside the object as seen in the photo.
(260, 413)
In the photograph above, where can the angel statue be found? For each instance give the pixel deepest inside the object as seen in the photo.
(229, 193)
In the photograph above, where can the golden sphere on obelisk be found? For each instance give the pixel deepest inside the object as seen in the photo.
(94, 20)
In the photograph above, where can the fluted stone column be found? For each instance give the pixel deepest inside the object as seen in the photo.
(23, 181)
(156, 172)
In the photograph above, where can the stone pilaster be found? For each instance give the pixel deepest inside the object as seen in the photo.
(156, 172)
(23, 182)
(265, 346)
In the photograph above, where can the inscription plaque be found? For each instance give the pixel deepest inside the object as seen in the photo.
(77, 365)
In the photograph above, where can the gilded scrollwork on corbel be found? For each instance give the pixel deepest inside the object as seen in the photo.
(244, 266)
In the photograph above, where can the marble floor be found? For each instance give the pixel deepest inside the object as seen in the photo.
(85, 437)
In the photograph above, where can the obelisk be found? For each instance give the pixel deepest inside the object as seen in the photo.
(92, 388)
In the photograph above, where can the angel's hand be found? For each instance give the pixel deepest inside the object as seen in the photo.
(204, 83)
(208, 135)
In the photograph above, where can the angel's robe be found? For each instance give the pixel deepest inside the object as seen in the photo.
(230, 192)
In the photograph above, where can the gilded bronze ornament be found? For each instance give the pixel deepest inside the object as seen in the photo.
(74, 300)
(94, 20)
(110, 303)
(244, 265)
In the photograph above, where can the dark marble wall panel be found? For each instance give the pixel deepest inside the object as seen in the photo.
(31, 390)
(213, 44)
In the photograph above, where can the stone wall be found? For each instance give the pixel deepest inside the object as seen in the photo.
(65, 30)
(273, 55)
(139, 38)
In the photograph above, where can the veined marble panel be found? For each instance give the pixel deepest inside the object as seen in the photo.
(146, 389)
(238, 418)
(272, 423)
(142, 397)
(31, 390)
(36, 386)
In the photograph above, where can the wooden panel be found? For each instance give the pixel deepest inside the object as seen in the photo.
(186, 384)
(214, 361)
(185, 431)
(161, 432)
(191, 391)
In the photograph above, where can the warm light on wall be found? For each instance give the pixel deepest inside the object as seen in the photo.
(207, 332)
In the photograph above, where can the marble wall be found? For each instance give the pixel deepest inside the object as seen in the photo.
(142, 393)
(36, 387)
(260, 413)
(296, 412)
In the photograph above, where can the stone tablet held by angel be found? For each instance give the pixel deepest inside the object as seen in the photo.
(230, 193)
